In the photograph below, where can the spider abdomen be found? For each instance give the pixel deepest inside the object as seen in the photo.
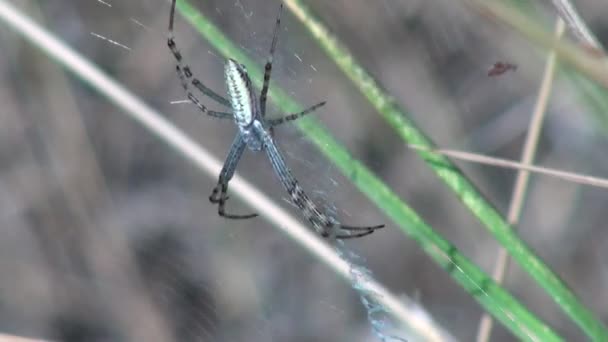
(242, 98)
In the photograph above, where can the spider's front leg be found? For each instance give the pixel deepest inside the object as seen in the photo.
(272, 123)
(291, 117)
(187, 77)
(220, 192)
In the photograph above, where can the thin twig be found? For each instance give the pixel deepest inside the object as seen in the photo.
(510, 164)
(523, 176)
(421, 325)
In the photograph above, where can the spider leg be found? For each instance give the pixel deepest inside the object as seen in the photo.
(214, 114)
(220, 192)
(268, 66)
(185, 75)
(324, 225)
(348, 236)
(361, 228)
(291, 117)
(213, 95)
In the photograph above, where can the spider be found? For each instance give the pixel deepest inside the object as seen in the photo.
(255, 132)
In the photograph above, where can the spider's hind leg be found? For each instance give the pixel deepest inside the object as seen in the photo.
(343, 227)
(346, 236)
(220, 192)
(323, 224)
(220, 196)
(351, 232)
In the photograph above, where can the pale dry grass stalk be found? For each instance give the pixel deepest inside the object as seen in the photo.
(510, 164)
(523, 176)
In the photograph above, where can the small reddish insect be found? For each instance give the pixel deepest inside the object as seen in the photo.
(500, 68)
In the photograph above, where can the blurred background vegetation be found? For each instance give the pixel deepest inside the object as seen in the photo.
(107, 234)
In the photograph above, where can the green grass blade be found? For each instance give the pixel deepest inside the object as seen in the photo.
(493, 298)
(397, 117)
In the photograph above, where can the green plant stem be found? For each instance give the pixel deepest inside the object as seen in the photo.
(451, 175)
(493, 298)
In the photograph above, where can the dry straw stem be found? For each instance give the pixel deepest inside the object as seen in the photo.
(592, 65)
(420, 325)
(510, 164)
(523, 176)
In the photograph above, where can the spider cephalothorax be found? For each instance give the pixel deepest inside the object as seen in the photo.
(254, 132)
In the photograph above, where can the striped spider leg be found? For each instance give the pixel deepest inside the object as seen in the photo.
(323, 224)
(255, 133)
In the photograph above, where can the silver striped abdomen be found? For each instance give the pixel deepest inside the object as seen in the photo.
(239, 90)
